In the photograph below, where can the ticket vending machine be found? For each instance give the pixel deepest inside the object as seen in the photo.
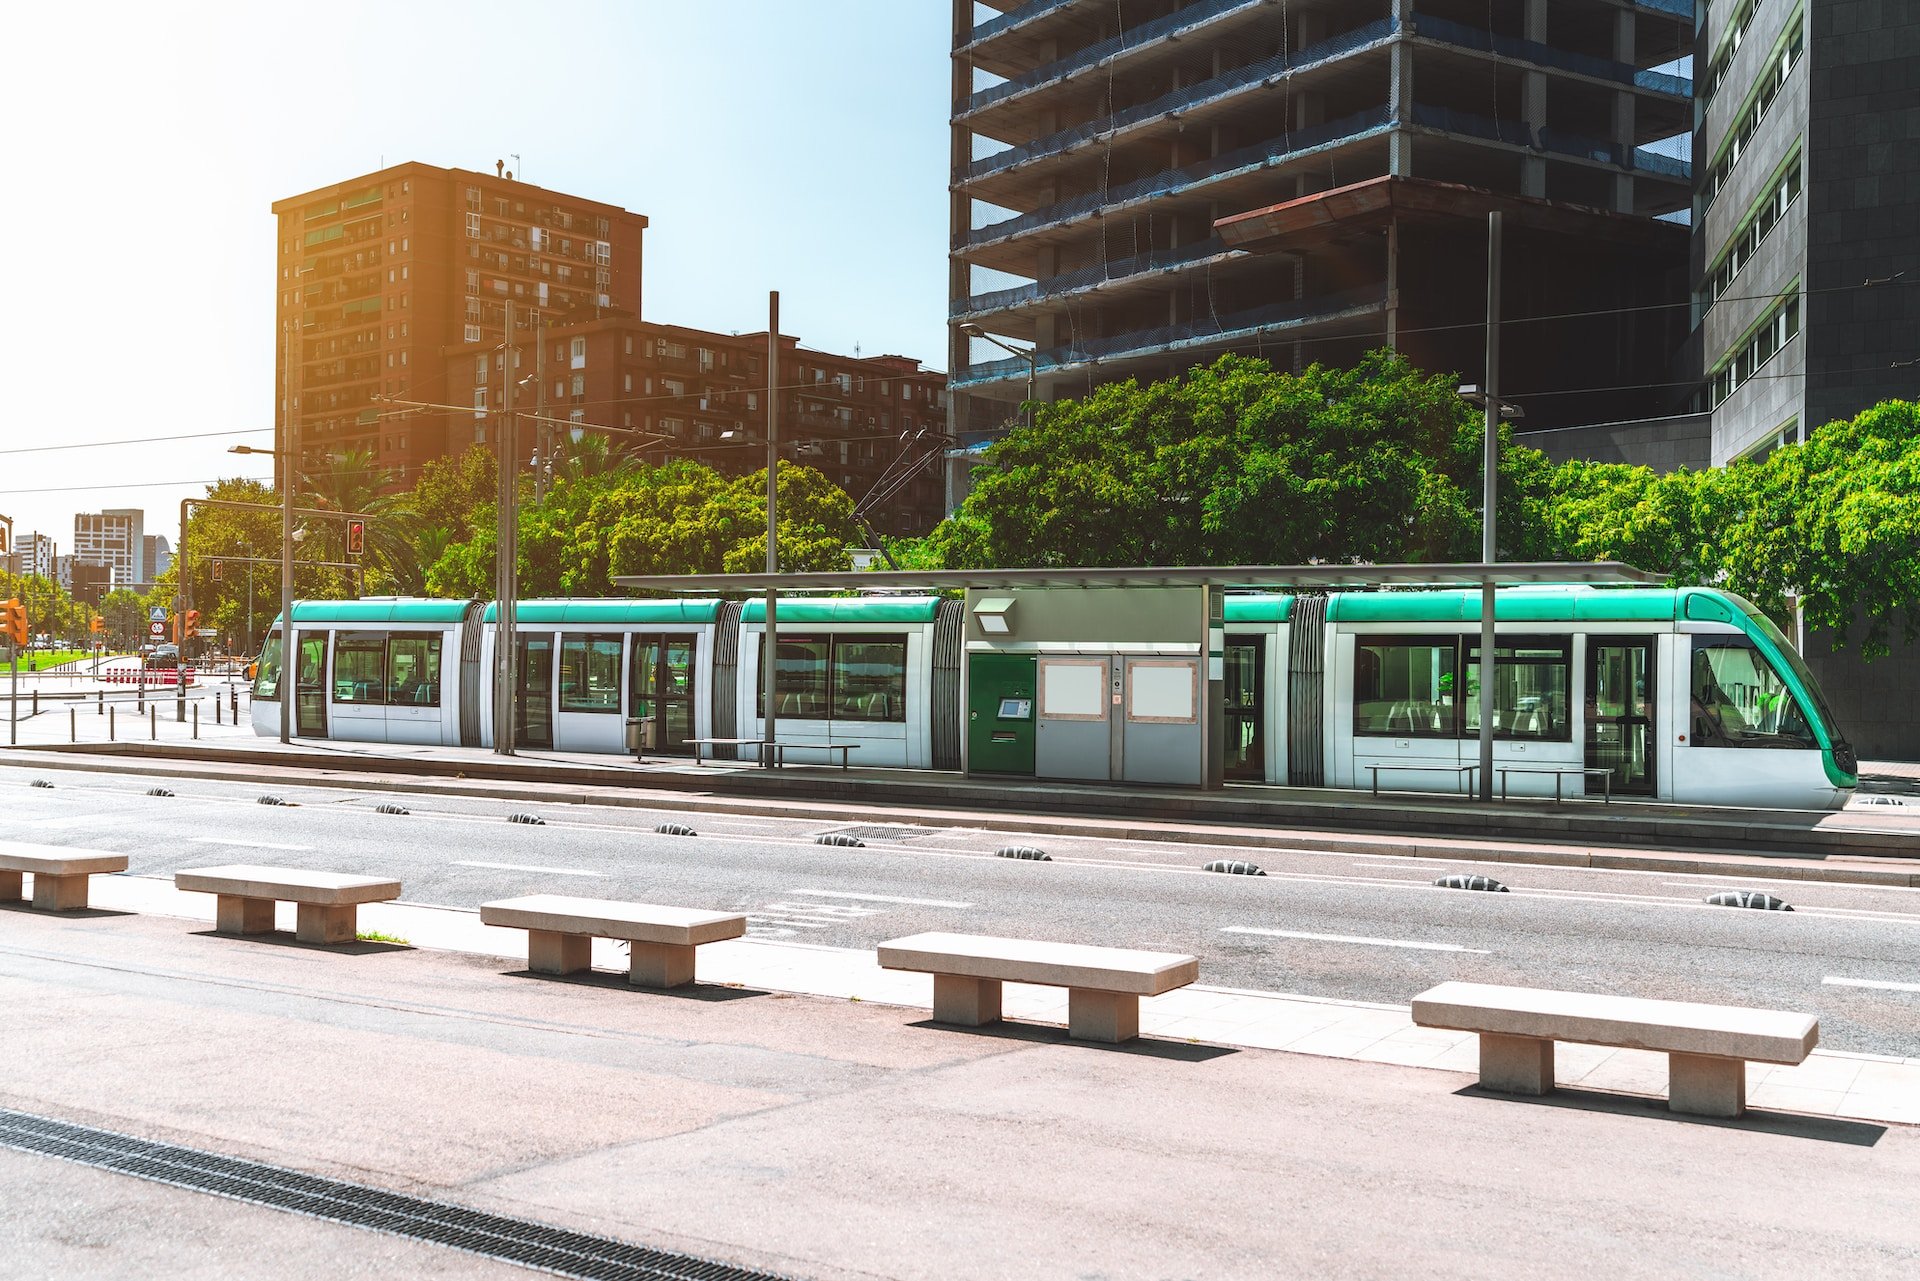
(1000, 714)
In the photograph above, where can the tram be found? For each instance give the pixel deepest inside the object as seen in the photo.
(1688, 695)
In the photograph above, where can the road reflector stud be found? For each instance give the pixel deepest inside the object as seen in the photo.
(1749, 898)
(390, 808)
(840, 838)
(40, 782)
(531, 820)
(1462, 881)
(674, 829)
(158, 791)
(1026, 853)
(275, 800)
(1234, 867)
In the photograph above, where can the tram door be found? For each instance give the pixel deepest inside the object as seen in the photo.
(1620, 703)
(534, 677)
(1246, 690)
(661, 686)
(311, 705)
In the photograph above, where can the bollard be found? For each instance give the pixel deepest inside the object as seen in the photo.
(216, 708)
(153, 723)
(110, 712)
(73, 724)
(100, 708)
(36, 702)
(234, 692)
(196, 720)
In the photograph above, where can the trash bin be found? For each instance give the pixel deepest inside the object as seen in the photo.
(638, 731)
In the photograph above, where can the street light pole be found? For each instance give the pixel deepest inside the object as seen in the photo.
(289, 466)
(506, 580)
(1029, 354)
(1490, 493)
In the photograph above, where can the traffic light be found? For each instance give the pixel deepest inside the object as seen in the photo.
(97, 624)
(216, 571)
(16, 621)
(4, 531)
(193, 622)
(356, 538)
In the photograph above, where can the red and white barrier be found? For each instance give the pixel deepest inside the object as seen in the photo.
(155, 676)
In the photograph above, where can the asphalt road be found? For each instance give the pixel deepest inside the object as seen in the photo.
(1352, 926)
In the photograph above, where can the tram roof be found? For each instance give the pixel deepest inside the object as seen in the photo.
(1250, 577)
(611, 611)
(378, 610)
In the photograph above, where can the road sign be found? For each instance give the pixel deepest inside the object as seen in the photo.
(158, 628)
(156, 615)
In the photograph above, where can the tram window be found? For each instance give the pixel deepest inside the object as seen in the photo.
(359, 667)
(413, 671)
(849, 678)
(1530, 690)
(590, 673)
(266, 676)
(1740, 701)
(1403, 686)
(870, 678)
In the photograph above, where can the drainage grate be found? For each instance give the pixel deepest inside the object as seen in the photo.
(521, 1241)
(891, 832)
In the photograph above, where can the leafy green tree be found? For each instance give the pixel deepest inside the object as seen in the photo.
(124, 615)
(351, 482)
(456, 494)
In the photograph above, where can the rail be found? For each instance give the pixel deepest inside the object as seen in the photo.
(1094, 54)
(1013, 18)
(1086, 277)
(1253, 320)
(1278, 67)
(1168, 181)
(1466, 37)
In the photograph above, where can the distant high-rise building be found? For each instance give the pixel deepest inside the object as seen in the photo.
(114, 538)
(378, 277)
(32, 554)
(1139, 186)
(1809, 194)
(156, 556)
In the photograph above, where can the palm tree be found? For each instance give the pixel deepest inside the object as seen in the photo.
(353, 482)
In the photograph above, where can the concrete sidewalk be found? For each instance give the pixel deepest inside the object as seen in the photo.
(829, 1138)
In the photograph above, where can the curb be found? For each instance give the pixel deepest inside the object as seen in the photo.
(328, 773)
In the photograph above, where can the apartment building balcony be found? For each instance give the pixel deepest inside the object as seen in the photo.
(1236, 176)
(1355, 312)
(1236, 97)
(1019, 107)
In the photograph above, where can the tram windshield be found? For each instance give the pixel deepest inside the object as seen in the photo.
(266, 677)
(1739, 700)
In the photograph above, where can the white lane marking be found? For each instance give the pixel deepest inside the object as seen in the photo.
(1353, 938)
(881, 898)
(527, 867)
(831, 911)
(755, 918)
(245, 844)
(1883, 984)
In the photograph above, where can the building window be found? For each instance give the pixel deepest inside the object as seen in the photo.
(1772, 80)
(579, 353)
(1773, 333)
(1745, 242)
(473, 225)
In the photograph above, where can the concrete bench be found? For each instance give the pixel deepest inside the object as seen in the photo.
(1707, 1046)
(327, 903)
(1104, 984)
(560, 933)
(59, 873)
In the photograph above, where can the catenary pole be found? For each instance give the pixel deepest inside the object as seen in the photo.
(289, 461)
(769, 646)
(1490, 493)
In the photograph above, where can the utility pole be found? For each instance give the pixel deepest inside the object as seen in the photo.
(1490, 493)
(505, 577)
(769, 643)
(543, 430)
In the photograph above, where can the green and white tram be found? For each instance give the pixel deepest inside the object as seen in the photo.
(1686, 695)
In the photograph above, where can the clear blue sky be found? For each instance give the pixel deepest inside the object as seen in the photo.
(773, 145)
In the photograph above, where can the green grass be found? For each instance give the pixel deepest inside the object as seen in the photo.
(41, 659)
(375, 936)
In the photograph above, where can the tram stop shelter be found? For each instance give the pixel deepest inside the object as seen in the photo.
(1114, 674)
